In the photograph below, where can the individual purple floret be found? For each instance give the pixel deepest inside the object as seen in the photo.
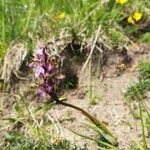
(45, 88)
(41, 55)
(41, 91)
(39, 71)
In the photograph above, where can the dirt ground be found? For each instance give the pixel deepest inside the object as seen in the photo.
(110, 107)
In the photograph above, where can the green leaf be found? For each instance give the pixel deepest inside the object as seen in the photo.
(97, 141)
(105, 135)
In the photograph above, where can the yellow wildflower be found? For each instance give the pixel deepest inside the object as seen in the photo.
(137, 16)
(130, 20)
(61, 16)
(122, 2)
(121, 66)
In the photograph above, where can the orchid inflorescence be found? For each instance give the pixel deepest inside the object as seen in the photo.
(43, 69)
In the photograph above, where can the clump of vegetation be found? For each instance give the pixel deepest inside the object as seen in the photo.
(137, 90)
(18, 141)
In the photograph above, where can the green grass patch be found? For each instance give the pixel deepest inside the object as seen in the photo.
(138, 90)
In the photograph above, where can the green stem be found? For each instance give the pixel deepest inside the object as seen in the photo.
(90, 83)
(90, 117)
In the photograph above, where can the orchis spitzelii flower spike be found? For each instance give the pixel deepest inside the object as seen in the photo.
(46, 71)
(43, 69)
